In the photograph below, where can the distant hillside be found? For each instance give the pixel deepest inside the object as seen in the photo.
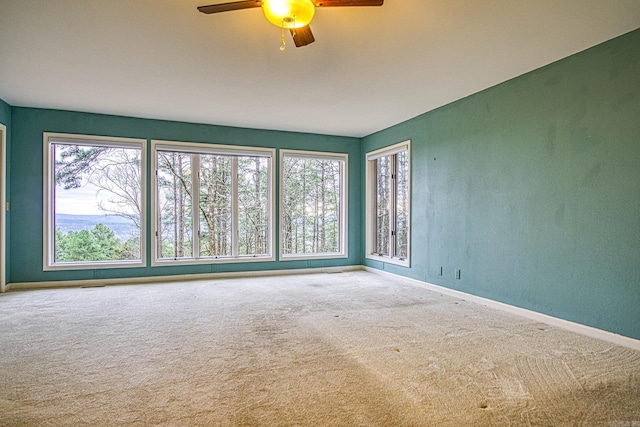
(123, 228)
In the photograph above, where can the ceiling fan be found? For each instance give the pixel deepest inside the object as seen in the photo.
(294, 15)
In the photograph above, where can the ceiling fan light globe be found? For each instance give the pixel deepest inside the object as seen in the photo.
(288, 13)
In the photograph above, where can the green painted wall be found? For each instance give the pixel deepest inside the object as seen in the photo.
(5, 119)
(27, 178)
(532, 189)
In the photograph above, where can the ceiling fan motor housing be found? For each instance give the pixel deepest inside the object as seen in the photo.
(289, 13)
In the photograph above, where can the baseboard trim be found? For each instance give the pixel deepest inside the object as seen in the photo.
(176, 278)
(589, 331)
(579, 328)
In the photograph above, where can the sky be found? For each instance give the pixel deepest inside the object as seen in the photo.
(86, 199)
(79, 201)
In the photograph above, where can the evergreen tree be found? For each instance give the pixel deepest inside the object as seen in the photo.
(106, 241)
(82, 246)
(98, 244)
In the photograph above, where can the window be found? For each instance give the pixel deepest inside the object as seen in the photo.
(313, 205)
(3, 203)
(212, 203)
(93, 206)
(388, 204)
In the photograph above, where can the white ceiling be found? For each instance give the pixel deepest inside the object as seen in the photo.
(370, 67)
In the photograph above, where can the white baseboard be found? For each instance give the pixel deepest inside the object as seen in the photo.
(589, 331)
(176, 278)
(533, 315)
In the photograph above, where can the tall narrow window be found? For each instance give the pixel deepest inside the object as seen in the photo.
(253, 205)
(388, 204)
(383, 205)
(401, 217)
(94, 210)
(215, 205)
(175, 225)
(313, 205)
(212, 203)
(3, 201)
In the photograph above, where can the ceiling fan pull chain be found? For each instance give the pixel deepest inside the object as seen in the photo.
(282, 43)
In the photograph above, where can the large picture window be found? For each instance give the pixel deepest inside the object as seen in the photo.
(313, 208)
(93, 206)
(212, 203)
(388, 204)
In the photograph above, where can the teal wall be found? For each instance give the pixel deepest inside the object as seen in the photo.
(5, 119)
(532, 189)
(27, 179)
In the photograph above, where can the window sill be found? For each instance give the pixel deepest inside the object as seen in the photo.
(220, 260)
(387, 260)
(302, 257)
(97, 265)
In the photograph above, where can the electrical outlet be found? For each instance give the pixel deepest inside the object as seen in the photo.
(458, 273)
(440, 271)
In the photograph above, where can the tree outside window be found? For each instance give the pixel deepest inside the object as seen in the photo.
(93, 201)
(388, 203)
(212, 203)
(313, 208)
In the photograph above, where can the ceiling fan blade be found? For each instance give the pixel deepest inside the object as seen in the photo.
(302, 36)
(225, 7)
(335, 3)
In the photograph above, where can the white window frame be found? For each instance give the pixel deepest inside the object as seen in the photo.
(344, 158)
(214, 149)
(3, 207)
(48, 257)
(371, 205)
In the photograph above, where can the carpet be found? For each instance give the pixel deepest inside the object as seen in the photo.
(348, 349)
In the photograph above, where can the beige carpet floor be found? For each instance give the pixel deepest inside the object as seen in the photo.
(349, 349)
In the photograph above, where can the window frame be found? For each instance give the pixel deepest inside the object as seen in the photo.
(213, 149)
(3, 206)
(344, 198)
(48, 256)
(371, 208)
